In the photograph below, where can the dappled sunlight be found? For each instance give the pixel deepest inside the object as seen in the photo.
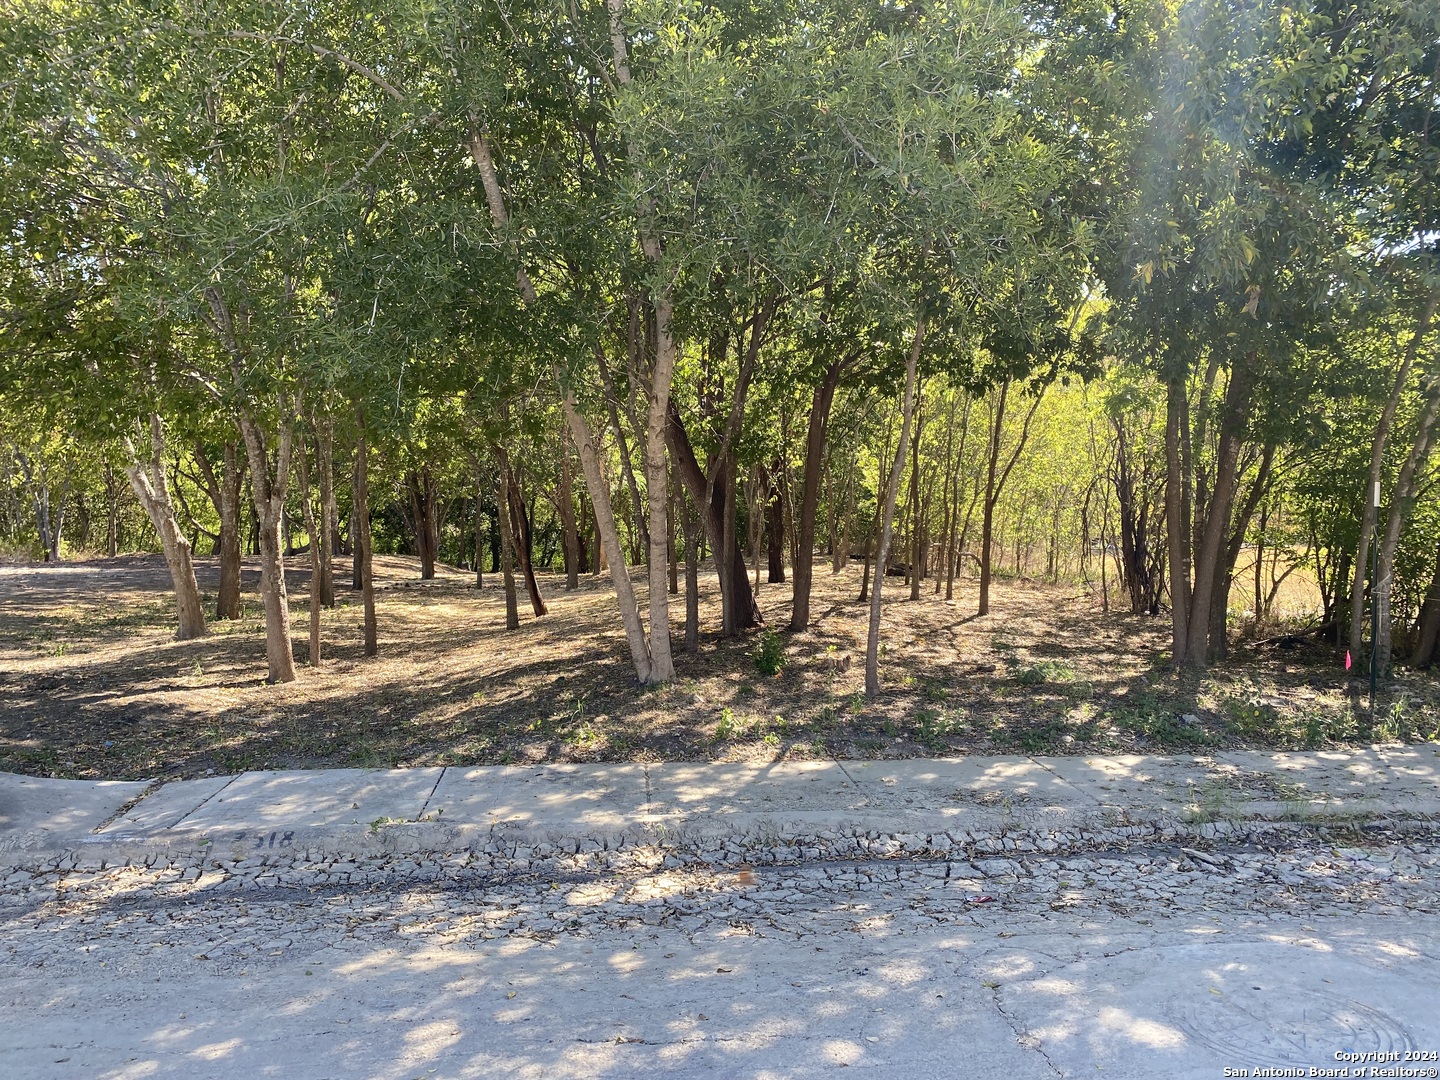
(99, 690)
(1152, 1034)
(216, 1051)
(841, 1051)
(135, 1070)
(1391, 948)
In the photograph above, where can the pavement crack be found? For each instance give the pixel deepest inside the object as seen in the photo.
(1026, 1040)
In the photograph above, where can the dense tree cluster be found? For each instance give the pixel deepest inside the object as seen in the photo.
(1143, 293)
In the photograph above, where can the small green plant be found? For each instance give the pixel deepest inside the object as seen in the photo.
(583, 737)
(1046, 671)
(770, 654)
(934, 726)
(728, 727)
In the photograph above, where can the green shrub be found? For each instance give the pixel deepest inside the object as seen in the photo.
(770, 654)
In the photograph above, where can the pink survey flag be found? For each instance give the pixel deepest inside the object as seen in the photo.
(1347, 659)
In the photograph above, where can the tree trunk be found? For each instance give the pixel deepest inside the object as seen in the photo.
(421, 488)
(112, 512)
(994, 485)
(1176, 526)
(691, 530)
(522, 538)
(1377, 457)
(1217, 518)
(479, 537)
(865, 573)
(225, 492)
(815, 437)
(1401, 500)
(151, 487)
(608, 536)
(329, 513)
(1219, 644)
(917, 520)
(267, 490)
(715, 501)
(361, 540)
(571, 535)
(774, 524)
(987, 519)
(317, 545)
(507, 551)
(840, 547)
(356, 578)
(640, 650)
(887, 516)
(672, 551)
(1423, 655)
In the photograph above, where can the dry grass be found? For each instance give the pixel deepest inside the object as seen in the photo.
(92, 685)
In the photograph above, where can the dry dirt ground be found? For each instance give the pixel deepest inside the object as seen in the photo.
(92, 684)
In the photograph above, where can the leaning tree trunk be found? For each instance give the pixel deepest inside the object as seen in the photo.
(607, 534)
(522, 538)
(1401, 501)
(1423, 655)
(1377, 457)
(267, 490)
(151, 487)
(1217, 518)
(987, 520)
(887, 516)
(507, 553)
(1219, 644)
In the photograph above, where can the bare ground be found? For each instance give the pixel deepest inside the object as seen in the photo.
(92, 684)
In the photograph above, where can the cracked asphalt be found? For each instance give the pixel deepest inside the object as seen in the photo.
(1154, 962)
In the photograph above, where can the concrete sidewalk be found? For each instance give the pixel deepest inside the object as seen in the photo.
(683, 812)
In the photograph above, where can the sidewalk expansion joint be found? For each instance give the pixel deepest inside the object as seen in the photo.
(846, 771)
(196, 808)
(1080, 789)
(436, 787)
(129, 805)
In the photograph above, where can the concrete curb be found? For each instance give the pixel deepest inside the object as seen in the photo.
(277, 828)
(428, 851)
